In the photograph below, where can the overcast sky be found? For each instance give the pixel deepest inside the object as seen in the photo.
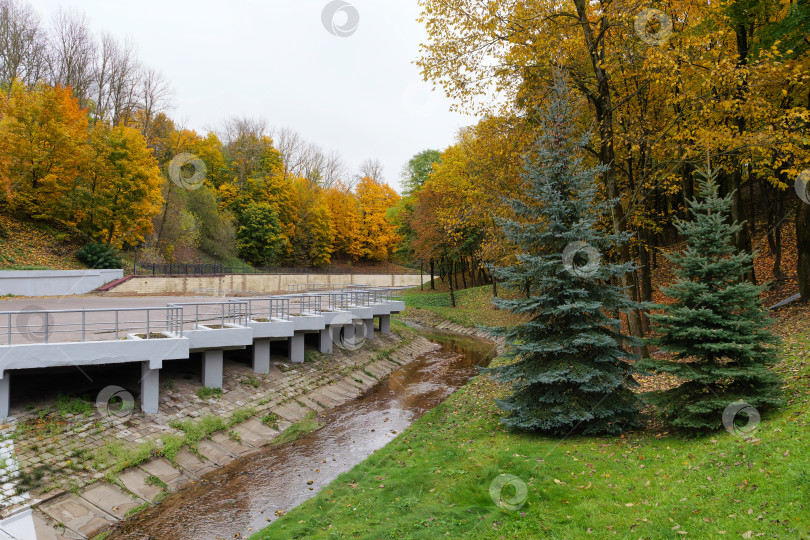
(359, 94)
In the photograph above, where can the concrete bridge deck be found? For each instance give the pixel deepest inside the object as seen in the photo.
(85, 330)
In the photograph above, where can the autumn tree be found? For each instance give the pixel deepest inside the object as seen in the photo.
(122, 190)
(344, 209)
(378, 236)
(43, 149)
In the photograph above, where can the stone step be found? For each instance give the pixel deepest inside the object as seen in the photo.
(193, 464)
(134, 479)
(215, 453)
(112, 499)
(77, 515)
(163, 469)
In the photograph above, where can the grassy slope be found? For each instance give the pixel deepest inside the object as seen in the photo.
(433, 479)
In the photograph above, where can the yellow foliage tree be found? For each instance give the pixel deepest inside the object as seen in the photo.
(378, 237)
(344, 209)
(43, 148)
(123, 188)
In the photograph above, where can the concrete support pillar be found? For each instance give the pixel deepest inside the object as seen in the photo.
(297, 348)
(369, 328)
(325, 341)
(212, 369)
(261, 356)
(349, 331)
(150, 388)
(385, 324)
(5, 395)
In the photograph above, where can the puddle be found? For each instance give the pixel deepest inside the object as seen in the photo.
(243, 497)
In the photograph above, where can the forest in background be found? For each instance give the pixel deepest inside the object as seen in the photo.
(87, 143)
(662, 89)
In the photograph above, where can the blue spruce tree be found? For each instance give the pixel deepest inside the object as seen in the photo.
(716, 328)
(568, 368)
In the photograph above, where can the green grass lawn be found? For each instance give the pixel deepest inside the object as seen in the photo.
(434, 480)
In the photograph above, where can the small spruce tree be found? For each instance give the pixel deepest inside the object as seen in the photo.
(715, 327)
(568, 370)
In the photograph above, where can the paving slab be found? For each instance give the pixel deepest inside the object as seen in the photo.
(215, 453)
(330, 399)
(193, 464)
(339, 392)
(135, 481)
(46, 528)
(349, 386)
(325, 400)
(76, 514)
(163, 469)
(237, 448)
(368, 381)
(310, 403)
(253, 432)
(111, 499)
(291, 411)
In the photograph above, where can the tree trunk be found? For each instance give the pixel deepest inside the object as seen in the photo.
(463, 276)
(603, 108)
(742, 239)
(803, 247)
(421, 283)
(646, 276)
(432, 277)
(450, 281)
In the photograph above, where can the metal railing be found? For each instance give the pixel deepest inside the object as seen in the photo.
(213, 314)
(268, 308)
(304, 304)
(360, 297)
(308, 287)
(74, 325)
(335, 300)
(222, 293)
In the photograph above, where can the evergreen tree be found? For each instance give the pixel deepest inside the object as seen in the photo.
(569, 370)
(716, 327)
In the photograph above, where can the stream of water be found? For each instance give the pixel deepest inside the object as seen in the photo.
(246, 495)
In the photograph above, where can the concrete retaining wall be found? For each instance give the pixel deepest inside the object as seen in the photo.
(54, 282)
(270, 283)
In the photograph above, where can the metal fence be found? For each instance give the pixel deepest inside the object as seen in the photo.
(193, 269)
(70, 325)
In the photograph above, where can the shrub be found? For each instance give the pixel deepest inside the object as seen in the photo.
(99, 256)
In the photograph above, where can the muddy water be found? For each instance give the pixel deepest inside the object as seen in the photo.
(243, 497)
